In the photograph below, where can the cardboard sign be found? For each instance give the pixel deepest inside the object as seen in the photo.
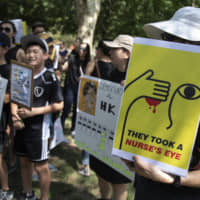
(161, 105)
(97, 113)
(21, 84)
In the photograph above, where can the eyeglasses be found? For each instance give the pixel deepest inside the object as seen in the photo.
(6, 29)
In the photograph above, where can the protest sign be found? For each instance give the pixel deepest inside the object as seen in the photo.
(21, 84)
(160, 108)
(3, 86)
(97, 112)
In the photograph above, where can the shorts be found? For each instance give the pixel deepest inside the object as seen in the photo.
(106, 172)
(35, 149)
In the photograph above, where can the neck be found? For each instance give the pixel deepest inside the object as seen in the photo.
(2, 61)
(37, 70)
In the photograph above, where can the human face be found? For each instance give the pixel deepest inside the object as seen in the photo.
(8, 30)
(83, 50)
(119, 58)
(36, 57)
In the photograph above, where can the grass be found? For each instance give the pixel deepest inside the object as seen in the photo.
(66, 183)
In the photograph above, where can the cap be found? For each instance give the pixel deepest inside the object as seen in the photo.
(28, 40)
(4, 40)
(121, 41)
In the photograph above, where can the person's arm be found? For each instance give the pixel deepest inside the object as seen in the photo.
(6, 98)
(20, 56)
(65, 66)
(192, 179)
(90, 67)
(154, 173)
(25, 113)
(16, 119)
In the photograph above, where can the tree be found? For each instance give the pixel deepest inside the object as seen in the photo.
(87, 15)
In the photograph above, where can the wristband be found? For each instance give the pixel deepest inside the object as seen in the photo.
(177, 181)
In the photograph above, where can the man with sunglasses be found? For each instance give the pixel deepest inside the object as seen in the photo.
(14, 52)
(150, 181)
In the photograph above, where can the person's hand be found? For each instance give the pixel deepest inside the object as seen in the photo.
(123, 82)
(129, 164)
(151, 171)
(24, 113)
(18, 124)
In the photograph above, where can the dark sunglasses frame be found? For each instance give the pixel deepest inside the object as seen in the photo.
(6, 29)
(168, 37)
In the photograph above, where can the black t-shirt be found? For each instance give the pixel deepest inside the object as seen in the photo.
(73, 72)
(5, 73)
(105, 69)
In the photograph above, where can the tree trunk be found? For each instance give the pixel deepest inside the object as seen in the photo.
(87, 15)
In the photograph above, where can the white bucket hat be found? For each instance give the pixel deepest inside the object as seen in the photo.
(121, 41)
(185, 24)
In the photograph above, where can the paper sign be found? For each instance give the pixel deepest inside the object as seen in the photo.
(97, 112)
(161, 105)
(21, 84)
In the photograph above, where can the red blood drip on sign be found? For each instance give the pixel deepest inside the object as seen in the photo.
(152, 102)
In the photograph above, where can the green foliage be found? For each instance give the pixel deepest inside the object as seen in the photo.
(116, 16)
(57, 15)
(129, 16)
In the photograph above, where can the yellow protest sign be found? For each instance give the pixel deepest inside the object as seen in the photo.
(161, 104)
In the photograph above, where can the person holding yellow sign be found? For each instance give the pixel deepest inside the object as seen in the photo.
(150, 181)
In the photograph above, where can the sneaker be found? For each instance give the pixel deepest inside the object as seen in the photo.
(84, 171)
(27, 196)
(6, 195)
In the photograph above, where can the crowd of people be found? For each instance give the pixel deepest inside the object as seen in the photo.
(29, 132)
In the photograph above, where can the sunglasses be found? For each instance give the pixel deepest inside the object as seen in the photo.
(168, 37)
(83, 48)
(6, 29)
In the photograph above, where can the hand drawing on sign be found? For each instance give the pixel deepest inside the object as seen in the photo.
(154, 91)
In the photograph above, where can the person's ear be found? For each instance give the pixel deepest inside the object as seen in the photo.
(127, 54)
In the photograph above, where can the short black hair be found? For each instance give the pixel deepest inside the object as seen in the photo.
(103, 47)
(38, 24)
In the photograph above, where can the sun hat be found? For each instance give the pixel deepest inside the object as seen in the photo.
(121, 41)
(4, 40)
(185, 23)
(28, 40)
